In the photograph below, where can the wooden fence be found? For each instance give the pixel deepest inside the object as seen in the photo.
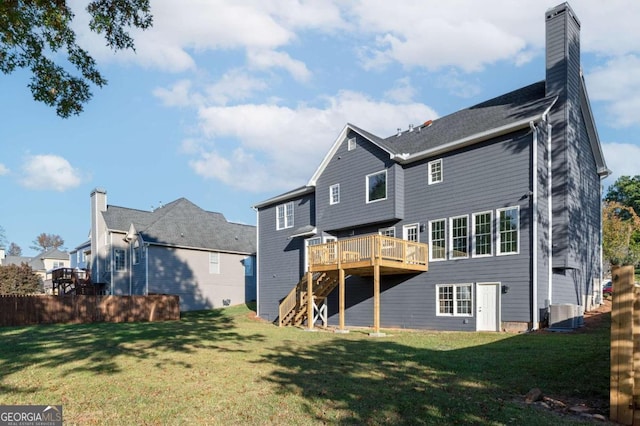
(625, 348)
(47, 309)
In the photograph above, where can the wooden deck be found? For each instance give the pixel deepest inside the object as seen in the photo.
(359, 255)
(329, 263)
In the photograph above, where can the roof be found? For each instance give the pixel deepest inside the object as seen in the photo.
(183, 224)
(36, 262)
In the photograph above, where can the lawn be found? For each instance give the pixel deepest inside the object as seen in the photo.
(225, 367)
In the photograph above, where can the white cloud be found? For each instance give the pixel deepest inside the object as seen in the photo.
(266, 59)
(235, 85)
(457, 85)
(618, 84)
(622, 160)
(178, 95)
(3, 170)
(49, 172)
(270, 147)
(402, 91)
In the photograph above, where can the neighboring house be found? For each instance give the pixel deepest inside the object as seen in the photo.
(178, 248)
(41, 264)
(506, 194)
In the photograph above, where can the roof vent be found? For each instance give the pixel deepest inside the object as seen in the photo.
(411, 127)
(399, 131)
(427, 123)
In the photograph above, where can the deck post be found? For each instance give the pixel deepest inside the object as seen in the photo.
(341, 297)
(309, 300)
(376, 298)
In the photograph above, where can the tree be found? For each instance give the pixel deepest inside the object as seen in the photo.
(626, 191)
(21, 279)
(620, 234)
(14, 250)
(32, 31)
(44, 242)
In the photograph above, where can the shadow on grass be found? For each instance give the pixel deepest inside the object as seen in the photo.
(98, 347)
(391, 381)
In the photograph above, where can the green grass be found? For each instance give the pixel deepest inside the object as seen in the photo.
(222, 367)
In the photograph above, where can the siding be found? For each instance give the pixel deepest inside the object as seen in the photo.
(280, 258)
(349, 169)
(185, 273)
(485, 177)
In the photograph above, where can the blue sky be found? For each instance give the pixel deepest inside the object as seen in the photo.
(228, 103)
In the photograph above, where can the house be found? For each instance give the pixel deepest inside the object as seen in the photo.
(485, 219)
(41, 264)
(177, 248)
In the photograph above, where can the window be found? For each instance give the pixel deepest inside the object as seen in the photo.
(410, 232)
(135, 255)
(284, 215)
(119, 259)
(482, 234)
(435, 171)
(508, 230)
(388, 232)
(334, 194)
(57, 264)
(437, 240)
(214, 263)
(459, 237)
(377, 186)
(351, 144)
(454, 299)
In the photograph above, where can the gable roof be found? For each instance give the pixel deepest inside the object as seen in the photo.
(36, 262)
(183, 224)
(503, 114)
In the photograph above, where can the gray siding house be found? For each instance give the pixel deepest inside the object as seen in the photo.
(505, 195)
(178, 248)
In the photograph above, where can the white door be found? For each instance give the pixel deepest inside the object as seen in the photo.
(488, 307)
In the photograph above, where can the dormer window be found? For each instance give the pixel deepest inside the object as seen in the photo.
(351, 144)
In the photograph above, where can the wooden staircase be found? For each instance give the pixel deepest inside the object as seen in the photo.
(293, 308)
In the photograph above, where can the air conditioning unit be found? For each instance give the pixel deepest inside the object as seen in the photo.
(566, 316)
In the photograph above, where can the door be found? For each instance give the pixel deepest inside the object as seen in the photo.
(488, 307)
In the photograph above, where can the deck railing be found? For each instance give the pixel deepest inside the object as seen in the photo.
(368, 248)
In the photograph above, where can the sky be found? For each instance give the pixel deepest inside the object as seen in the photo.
(228, 103)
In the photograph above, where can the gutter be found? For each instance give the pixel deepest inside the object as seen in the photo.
(469, 140)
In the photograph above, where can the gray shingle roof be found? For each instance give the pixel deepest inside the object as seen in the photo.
(512, 107)
(182, 223)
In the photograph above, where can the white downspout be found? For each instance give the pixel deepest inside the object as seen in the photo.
(130, 267)
(550, 213)
(534, 302)
(146, 269)
(257, 268)
(110, 254)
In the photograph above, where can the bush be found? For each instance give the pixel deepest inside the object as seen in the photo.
(21, 279)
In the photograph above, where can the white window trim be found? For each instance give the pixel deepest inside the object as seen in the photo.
(351, 144)
(473, 234)
(115, 260)
(386, 186)
(455, 304)
(286, 223)
(385, 231)
(214, 266)
(408, 226)
(331, 189)
(431, 181)
(430, 239)
(497, 226)
(451, 219)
